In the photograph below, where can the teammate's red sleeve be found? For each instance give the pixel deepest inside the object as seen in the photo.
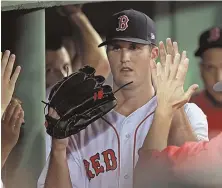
(177, 155)
(191, 158)
(171, 155)
(151, 169)
(155, 169)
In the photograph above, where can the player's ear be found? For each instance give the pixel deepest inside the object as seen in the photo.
(154, 52)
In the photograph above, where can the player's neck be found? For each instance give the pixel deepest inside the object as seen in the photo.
(129, 100)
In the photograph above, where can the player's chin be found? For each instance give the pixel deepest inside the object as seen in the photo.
(125, 80)
(217, 96)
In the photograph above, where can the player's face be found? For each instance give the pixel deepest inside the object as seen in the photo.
(129, 62)
(58, 65)
(211, 70)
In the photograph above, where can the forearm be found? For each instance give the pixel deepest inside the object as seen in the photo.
(94, 56)
(157, 136)
(58, 171)
(147, 171)
(181, 130)
(5, 153)
(2, 112)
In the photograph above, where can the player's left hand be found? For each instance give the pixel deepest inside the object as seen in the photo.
(11, 124)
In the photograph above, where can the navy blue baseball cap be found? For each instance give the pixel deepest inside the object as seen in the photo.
(131, 26)
(211, 38)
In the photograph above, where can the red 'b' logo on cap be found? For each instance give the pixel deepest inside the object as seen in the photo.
(123, 23)
(214, 35)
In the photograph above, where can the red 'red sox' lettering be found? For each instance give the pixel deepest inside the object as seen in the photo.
(110, 159)
(89, 172)
(94, 162)
(96, 165)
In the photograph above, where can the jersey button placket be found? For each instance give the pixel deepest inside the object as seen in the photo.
(125, 142)
(127, 136)
(126, 176)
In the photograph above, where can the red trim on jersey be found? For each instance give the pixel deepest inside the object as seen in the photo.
(134, 145)
(118, 139)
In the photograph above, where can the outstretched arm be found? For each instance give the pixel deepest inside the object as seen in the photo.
(181, 130)
(168, 79)
(92, 55)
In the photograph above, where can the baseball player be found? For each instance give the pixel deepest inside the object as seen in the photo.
(210, 54)
(59, 62)
(194, 164)
(106, 152)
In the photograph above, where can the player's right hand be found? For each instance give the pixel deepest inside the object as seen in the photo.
(58, 144)
(169, 83)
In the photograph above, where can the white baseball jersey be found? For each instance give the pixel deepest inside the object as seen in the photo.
(105, 153)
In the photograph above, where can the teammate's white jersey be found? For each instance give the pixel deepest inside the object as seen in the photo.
(47, 137)
(105, 153)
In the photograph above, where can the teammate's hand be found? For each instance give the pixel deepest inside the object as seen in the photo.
(11, 124)
(70, 10)
(171, 49)
(8, 79)
(169, 80)
(58, 144)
